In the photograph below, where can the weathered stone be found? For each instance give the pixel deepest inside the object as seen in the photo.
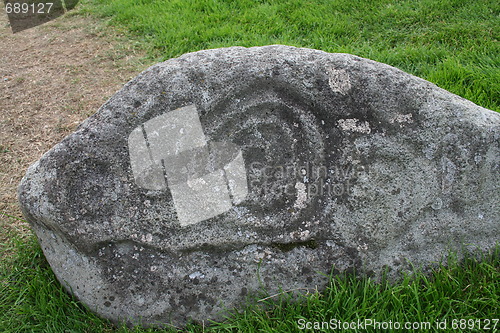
(221, 172)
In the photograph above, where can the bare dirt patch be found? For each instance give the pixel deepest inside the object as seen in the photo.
(52, 77)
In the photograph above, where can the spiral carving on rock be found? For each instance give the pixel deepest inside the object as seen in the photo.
(224, 172)
(279, 136)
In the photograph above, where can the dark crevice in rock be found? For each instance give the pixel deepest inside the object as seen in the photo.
(286, 247)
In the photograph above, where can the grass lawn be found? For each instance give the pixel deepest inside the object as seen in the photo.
(453, 43)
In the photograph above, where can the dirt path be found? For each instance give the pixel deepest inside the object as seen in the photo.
(52, 77)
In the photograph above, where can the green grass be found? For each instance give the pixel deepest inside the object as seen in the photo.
(31, 299)
(453, 43)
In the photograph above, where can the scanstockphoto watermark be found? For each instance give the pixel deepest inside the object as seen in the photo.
(310, 179)
(368, 324)
(25, 14)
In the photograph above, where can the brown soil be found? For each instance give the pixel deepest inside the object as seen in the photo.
(52, 77)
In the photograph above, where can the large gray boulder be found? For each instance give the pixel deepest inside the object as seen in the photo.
(225, 172)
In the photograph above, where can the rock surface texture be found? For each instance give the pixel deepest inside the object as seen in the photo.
(224, 172)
